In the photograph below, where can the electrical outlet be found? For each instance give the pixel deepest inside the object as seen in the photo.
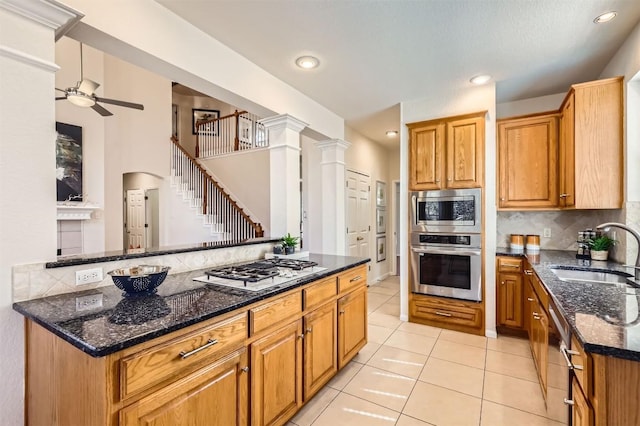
(91, 301)
(88, 276)
(546, 232)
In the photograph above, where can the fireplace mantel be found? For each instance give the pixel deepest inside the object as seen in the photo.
(75, 210)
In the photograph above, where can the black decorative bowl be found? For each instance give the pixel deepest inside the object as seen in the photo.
(139, 279)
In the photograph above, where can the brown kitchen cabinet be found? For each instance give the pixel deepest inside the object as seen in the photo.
(276, 375)
(581, 411)
(215, 395)
(352, 325)
(528, 162)
(447, 153)
(320, 348)
(509, 293)
(257, 365)
(454, 314)
(591, 146)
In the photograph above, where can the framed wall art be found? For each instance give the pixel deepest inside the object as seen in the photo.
(68, 162)
(202, 115)
(381, 248)
(381, 221)
(381, 194)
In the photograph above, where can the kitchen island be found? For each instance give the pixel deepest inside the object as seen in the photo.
(603, 321)
(220, 356)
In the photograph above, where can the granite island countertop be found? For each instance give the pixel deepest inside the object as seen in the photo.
(124, 321)
(605, 318)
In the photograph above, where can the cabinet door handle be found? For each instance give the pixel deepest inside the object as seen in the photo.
(443, 314)
(359, 238)
(341, 312)
(356, 278)
(209, 343)
(309, 330)
(568, 401)
(529, 299)
(301, 336)
(502, 282)
(245, 369)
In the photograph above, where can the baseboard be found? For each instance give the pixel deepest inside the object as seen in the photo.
(491, 333)
(383, 277)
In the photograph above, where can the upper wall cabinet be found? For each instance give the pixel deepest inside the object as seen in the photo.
(570, 159)
(591, 146)
(446, 153)
(528, 162)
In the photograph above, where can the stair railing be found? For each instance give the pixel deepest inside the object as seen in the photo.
(215, 200)
(234, 132)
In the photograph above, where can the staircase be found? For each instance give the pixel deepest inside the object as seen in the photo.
(226, 220)
(234, 132)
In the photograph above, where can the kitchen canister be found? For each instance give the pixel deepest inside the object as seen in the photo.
(517, 242)
(533, 243)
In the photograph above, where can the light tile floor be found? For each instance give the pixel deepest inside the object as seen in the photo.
(415, 375)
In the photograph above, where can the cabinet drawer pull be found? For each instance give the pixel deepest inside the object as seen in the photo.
(528, 272)
(209, 343)
(568, 401)
(356, 278)
(443, 314)
(506, 265)
(529, 299)
(536, 317)
(564, 195)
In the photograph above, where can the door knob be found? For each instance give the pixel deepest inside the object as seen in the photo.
(359, 238)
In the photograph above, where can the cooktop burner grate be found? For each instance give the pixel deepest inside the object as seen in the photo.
(260, 270)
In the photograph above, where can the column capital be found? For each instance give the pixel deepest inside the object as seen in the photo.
(49, 13)
(333, 143)
(284, 121)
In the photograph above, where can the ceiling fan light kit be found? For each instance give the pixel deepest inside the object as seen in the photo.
(83, 95)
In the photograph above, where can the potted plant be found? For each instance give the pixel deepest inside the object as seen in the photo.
(289, 243)
(600, 246)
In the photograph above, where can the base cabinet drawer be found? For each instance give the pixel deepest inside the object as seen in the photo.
(215, 396)
(447, 312)
(352, 279)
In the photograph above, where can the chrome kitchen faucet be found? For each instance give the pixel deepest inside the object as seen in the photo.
(606, 226)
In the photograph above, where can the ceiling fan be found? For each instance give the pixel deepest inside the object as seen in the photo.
(83, 94)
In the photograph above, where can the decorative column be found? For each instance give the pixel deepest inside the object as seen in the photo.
(284, 156)
(334, 213)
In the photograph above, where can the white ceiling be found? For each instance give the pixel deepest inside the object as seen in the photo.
(375, 54)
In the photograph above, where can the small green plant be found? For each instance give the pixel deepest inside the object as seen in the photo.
(601, 243)
(289, 241)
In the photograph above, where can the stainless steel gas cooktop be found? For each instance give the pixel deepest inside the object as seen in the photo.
(261, 274)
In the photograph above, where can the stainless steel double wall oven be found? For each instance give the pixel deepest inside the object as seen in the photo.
(446, 236)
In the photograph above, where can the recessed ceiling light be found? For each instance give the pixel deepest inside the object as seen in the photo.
(605, 17)
(392, 133)
(480, 79)
(307, 62)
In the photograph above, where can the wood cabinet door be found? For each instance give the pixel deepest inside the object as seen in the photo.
(581, 412)
(320, 348)
(543, 337)
(509, 300)
(352, 325)
(528, 306)
(215, 395)
(528, 162)
(426, 157)
(464, 151)
(566, 154)
(276, 376)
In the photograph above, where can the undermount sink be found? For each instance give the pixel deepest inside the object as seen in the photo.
(575, 275)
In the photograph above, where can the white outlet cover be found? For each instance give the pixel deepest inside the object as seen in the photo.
(88, 276)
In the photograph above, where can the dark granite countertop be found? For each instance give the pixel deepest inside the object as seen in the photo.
(151, 251)
(605, 318)
(121, 322)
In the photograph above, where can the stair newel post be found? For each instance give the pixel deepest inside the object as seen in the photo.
(236, 140)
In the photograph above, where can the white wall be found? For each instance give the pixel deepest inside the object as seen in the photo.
(93, 134)
(162, 41)
(245, 177)
(445, 102)
(27, 180)
(311, 195)
(372, 159)
(530, 106)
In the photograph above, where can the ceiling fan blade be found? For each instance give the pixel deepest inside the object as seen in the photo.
(88, 86)
(101, 110)
(120, 103)
(60, 90)
(60, 98)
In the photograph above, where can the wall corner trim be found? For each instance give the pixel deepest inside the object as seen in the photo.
(28, 59)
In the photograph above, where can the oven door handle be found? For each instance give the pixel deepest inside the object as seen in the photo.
(445, 251)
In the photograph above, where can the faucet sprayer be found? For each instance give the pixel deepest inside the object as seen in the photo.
(606, 226)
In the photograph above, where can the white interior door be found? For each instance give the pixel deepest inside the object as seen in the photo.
(135, 219)
(358, 214)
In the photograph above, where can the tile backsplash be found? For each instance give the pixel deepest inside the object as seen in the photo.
(564, 225)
